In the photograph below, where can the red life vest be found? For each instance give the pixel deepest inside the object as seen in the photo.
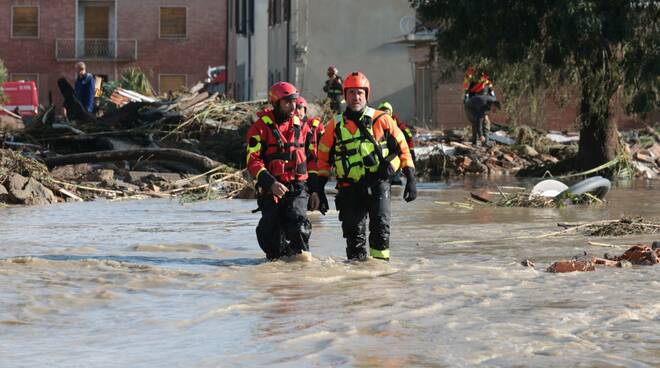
(284, 151)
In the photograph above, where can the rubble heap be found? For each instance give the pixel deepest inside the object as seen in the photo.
(525, 151)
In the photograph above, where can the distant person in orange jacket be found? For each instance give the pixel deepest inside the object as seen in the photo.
(365, 147)
(476, 84)
(277, 150)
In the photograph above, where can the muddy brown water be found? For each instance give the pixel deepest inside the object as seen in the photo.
(154, 283)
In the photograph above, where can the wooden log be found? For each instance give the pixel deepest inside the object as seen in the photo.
(74, 109)
(199, 162)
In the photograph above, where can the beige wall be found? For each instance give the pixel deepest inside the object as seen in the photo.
(355, 35)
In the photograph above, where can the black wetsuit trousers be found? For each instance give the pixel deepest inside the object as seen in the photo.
(479, 126)
(284, 229)
(354, 204)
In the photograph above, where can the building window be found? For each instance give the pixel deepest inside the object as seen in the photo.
(271, 13)
(25, 21)
(241, 17)
(173, 22)
(278, 11)
(287, 10)
(171, 82)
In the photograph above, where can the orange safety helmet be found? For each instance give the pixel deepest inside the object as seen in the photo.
(282, 90)
(300, 101)
(356, 80)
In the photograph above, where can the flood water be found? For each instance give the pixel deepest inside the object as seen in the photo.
(158, 284)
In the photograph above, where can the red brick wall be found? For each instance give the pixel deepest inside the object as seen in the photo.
(56, 20)
(448, 112)
(204, 46)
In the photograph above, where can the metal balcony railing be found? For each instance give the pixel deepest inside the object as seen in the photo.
(96, 49)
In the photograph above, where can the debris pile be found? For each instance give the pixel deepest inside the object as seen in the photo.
(191, 147)
(643, 148)
(624, 226)
(24, 180)
(640, 255)
(525, 151)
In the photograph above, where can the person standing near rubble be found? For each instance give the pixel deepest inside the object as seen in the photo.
(85, 87)
(333, 88)
(277, 158)
(366, 148)
(477, 109)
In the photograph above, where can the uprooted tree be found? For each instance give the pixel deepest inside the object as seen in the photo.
(605, 52)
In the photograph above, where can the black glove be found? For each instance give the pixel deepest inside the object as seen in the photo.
(320, 190)
(410, 193)
(265, 180)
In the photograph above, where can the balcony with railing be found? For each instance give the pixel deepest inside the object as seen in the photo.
(96, 49)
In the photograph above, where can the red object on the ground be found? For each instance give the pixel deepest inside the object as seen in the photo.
(22, 96)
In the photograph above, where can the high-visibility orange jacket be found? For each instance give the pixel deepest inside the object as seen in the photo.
(278, 148)
(383, 128)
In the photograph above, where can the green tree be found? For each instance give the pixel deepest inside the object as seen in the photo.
(134, 79)
(604, 52)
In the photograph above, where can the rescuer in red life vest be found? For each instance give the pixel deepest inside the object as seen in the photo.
(277, 149)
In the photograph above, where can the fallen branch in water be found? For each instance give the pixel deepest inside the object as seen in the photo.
(541, 236)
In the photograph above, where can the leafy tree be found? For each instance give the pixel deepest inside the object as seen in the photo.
(605, 53)
(136, 80)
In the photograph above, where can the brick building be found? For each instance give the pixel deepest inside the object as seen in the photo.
(173, 41)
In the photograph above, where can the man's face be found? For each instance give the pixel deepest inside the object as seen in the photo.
(287, 106)
(356, 98)
(81, 71)
(387, 111)
(301, 110)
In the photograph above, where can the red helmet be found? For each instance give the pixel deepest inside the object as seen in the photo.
(300, 101)
(282, 90)
(357, 80)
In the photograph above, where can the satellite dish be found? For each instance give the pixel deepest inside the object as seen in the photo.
(408, 24)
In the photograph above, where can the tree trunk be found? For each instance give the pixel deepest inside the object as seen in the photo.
(199, 162)
(599, 141)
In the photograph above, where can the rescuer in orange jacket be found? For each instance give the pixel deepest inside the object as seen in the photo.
(277, 150)
(365, 147)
